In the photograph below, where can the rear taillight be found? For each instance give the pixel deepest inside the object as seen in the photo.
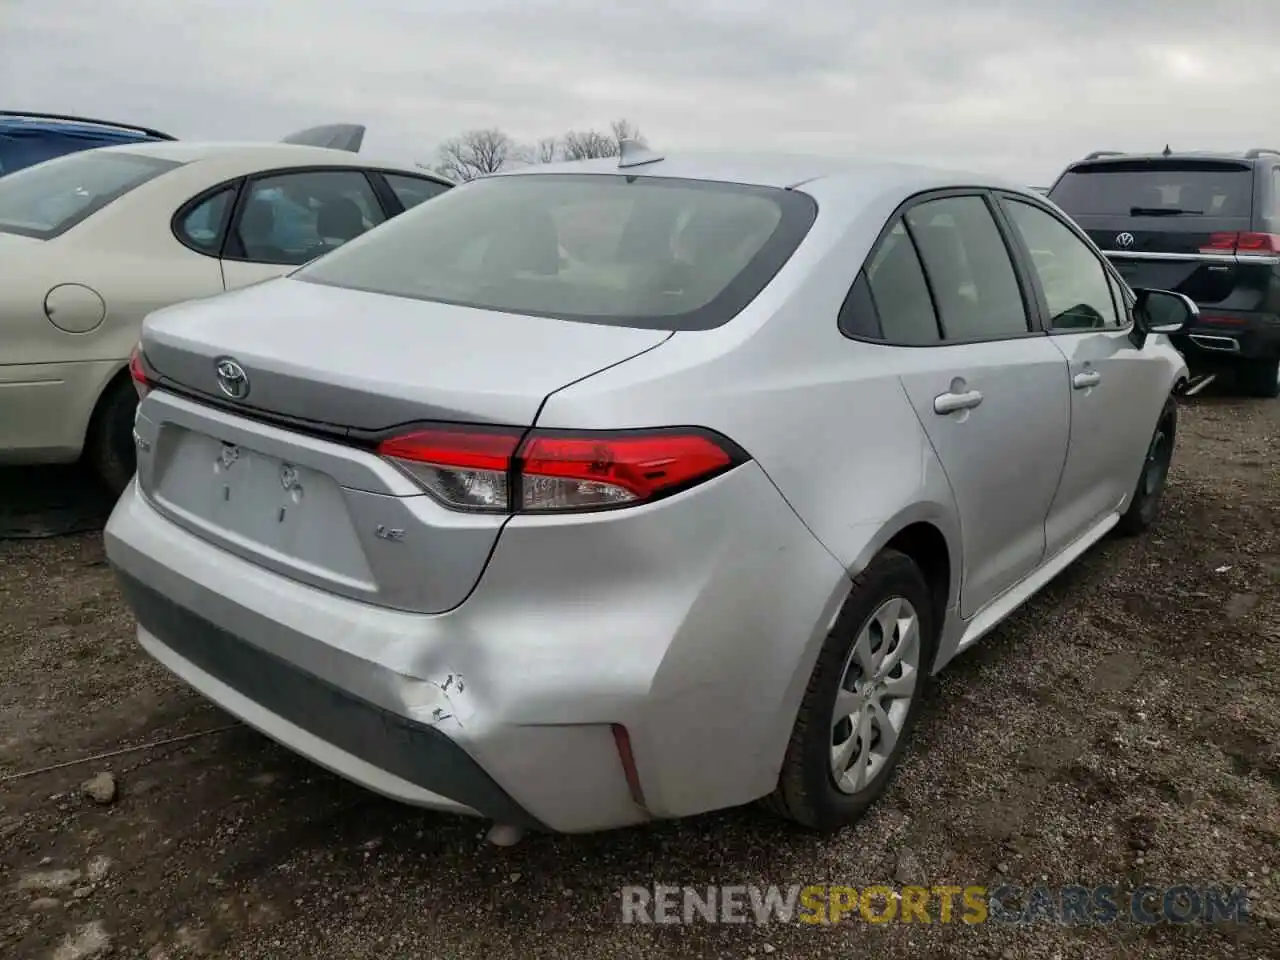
(1264, 243)
(496, 471)
(463, 469)
(138, 373)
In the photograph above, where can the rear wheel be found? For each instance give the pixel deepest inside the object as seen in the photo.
(109, 451)
(1145, 504)
(862, 700)
(1260, 378)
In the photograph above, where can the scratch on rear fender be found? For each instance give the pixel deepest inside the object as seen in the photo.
(442, 700)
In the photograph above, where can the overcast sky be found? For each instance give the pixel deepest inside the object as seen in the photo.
(1014, 87)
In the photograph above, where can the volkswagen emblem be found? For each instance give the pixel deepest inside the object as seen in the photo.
(1124, 240)
(232, 380)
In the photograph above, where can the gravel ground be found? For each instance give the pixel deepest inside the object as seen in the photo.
(1122, 728)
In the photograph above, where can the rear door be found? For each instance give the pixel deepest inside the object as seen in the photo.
(1116, 388)
(285, 218)
(1171, 223)
(989, 388)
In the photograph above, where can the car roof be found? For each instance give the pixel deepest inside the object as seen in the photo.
(99, 131)
(780, 170)
(267, 155)
(1102, 158)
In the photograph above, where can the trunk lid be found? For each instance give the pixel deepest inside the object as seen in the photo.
(317, 505)
(353, 362)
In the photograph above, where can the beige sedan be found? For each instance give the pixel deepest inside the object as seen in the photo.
(92, 242)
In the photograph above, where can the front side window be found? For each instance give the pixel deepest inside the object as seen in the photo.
(47, 199)
(653, 252)
(1075, 283)
(969, 269)
(294, 217)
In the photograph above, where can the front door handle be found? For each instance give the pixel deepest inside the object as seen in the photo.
(951, 402)
(1082, 381)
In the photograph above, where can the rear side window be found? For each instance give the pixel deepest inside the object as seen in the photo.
(1275, 193)
(411, 191)
(1157, 188)
(48, 199)
(898, 294)
(969, 269)
(202, 227)
(653, 252)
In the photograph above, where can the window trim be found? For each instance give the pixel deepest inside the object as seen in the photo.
(189, 207)
(1031, 304)
(231, 250)
(1003, 197)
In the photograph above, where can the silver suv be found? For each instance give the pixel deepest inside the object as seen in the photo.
(628, 489)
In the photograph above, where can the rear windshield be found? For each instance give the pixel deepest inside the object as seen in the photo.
(52, 197)
(650, 252)
(1157, 189)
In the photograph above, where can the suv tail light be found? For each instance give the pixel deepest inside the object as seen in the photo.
(138, 372)
(1242, 243)
(494, 470)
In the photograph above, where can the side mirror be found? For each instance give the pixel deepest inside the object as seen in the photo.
(1163, 311)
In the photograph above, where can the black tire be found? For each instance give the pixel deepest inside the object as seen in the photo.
(1145, 505)
(108, 450)
(807, 793)
(1259, 378)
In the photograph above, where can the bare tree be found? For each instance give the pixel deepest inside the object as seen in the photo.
(585, 144)
(546, 150)
(475, 153)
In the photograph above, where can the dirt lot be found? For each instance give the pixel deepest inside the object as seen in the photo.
(1123, 728)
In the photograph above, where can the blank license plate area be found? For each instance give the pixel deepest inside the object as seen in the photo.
(259, 505)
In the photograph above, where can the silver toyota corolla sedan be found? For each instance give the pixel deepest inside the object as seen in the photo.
(591, 494)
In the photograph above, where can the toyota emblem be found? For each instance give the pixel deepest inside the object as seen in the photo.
(1124, 240)
(232, 380)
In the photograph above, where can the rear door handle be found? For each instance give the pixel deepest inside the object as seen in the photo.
(951, 402)
(1082, 381)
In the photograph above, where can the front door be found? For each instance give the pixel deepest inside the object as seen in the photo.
(1115, 386)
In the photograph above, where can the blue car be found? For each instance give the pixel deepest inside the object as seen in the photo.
(30, 138)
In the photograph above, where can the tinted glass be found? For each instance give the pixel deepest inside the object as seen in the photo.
(1076, 286)
(411, 191)
(50, 198)
(900, 292)
(858, 314)
(638, 251)
(1275, 192)
(295, 217)
(1157, 188)
(969, 269)
(202, 227)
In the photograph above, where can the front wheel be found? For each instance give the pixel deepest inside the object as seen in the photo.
(862, 700)
(1145, 504)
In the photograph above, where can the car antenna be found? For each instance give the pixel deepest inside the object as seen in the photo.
(1167, 151)
(633, 153)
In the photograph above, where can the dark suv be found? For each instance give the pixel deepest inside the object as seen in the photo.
(1204, 224)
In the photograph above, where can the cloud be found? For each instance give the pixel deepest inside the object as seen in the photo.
(1012, 87)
